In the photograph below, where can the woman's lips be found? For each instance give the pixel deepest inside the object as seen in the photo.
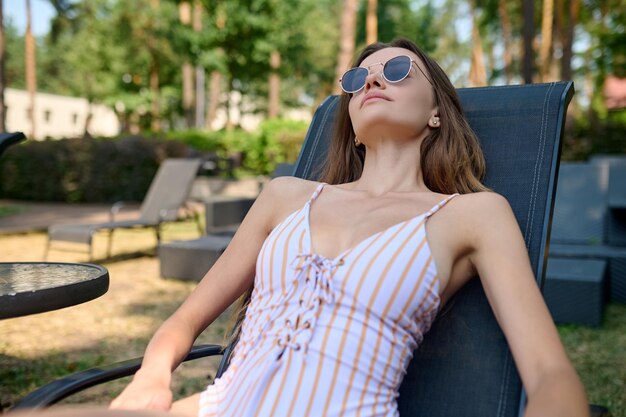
(375, 96)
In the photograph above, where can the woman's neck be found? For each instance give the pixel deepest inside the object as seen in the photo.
(391, 167)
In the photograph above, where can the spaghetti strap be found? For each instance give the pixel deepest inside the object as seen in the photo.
(317, 192)
(442, 203)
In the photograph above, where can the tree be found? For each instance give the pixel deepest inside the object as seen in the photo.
(507, 33)
(545, 49)
(478, 73)
(568, 22)
(31, 74)
(184, 8)
(528, 35)
(346, 40)
(2, 73)
(372, 21)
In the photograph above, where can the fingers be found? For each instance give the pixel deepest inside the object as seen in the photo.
(142, 400)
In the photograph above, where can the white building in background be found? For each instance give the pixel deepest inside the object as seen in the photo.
(57, 116)
(250, 120)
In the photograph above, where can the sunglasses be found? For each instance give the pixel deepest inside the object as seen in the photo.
(394, 70)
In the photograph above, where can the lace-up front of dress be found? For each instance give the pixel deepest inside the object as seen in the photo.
(329, 337)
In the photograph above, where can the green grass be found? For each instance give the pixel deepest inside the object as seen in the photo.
(599, 355)
(11, 209)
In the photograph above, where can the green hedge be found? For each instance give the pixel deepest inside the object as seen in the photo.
(108, 170)
(257, 153)
(84, 170)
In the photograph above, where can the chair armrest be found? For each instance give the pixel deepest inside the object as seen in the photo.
(168, 215)
(116, 208)
(599, 411)
(64, 387)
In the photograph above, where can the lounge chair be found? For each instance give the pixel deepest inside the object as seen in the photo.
(8, 139)
(464, 366)
(165, 198)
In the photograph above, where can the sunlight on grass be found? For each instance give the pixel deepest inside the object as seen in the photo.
(599, 355)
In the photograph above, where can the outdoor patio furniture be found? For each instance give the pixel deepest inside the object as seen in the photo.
(163, 202)
(8, 139)
(616, 230)
(37, 287)
(191, 259)
(575, 290)
(464, 366)
(582, 222)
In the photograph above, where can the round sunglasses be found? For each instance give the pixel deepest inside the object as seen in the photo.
(394, 70)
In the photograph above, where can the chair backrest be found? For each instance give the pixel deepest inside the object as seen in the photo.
(464, 366)
(617, 186)
(8, 139)
(580, 209)
(169, 189)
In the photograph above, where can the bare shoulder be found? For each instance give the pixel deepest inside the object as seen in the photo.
(483, 204)
(283, 195)
(282, 189)
(479, 212)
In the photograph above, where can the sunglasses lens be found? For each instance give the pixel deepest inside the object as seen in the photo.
(353, 80)
(396, 69)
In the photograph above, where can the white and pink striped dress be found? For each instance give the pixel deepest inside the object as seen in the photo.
(329, 337)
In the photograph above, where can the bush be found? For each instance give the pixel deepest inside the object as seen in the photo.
(584, 139)
(108, 170)
(253, 153)
(84, 170)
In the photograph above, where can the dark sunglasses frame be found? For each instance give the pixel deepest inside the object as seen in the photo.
(384, 64)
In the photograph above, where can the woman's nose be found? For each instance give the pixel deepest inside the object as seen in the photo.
(374, 79)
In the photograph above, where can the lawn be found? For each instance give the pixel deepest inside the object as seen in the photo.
(39, 348)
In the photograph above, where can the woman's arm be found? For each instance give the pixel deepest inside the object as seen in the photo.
(501, 260)
(229, 277)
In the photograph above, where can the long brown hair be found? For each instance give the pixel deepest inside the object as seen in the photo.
(451, 159)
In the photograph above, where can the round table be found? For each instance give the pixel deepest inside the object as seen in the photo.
(36, 287)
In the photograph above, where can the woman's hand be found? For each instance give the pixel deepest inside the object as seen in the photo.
(144, 393)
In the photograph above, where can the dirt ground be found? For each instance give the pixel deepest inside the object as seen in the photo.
(36, 349)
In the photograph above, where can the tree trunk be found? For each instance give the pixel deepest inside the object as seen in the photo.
(200, 74)
(273, 107)
(567, 39)
(184, 13)
(506, 37)
(547, 18)
(31, 76)
(346, 41)
(2, 74)
(216, 82)
(88, 120)
(155, 107)
(529, 34)
(478, 73)
(372, 21)
(214, 98)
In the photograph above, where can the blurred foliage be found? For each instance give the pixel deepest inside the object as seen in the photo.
(258, 153)
(583, 139)
(108, 50)
(75, 170)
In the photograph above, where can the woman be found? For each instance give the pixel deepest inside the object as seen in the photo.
(345, 281)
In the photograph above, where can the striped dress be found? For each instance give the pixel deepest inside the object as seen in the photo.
(329, 337)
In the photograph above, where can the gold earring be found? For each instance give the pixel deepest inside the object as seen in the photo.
(356, 141)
